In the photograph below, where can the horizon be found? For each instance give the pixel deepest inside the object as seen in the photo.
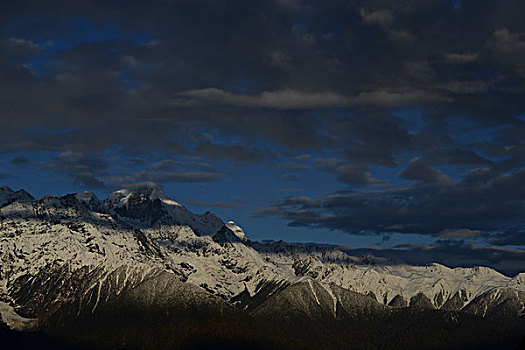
(395, 254)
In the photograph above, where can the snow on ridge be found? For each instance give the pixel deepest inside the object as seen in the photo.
(171, 202)
(147, 191)
(187, 244)
(7, 195)
(237, 230)
(86, 197)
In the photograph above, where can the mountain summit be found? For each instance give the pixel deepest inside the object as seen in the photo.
(146, 205)
(7, 196)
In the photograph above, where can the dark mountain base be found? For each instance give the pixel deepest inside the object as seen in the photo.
(156, 330)
(406, 330)
(150, 329)
(10, 339)
(403, 339)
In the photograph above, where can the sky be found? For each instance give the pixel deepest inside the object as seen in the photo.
(391, 127)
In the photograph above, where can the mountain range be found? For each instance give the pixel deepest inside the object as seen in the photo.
(138, 270)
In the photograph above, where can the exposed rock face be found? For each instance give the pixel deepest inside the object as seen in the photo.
(421, 301)
(457, 301)
(398, 301)
(8, 196)
(498, 304)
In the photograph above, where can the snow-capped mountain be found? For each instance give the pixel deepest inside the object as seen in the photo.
(92, 251)
(7, 196)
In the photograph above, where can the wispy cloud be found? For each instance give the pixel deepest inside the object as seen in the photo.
(294, 99)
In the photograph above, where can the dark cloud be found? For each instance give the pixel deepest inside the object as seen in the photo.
(81, 168)
(457, 57)
(419, 170)
(169, 164)
(183, 176)
(164, 176)
(292, 99)
(237, 153)
(452, 254)
(455, 156)
(69, 161)
(480, 175)
(214, 204)
(461, 233)
(304, 202)
(95, 171)
(382, 18)
(514, 236)
(508, 48)
(146, 186)
(432, 209)
(371, 139)
(296, 165)
(352, 175)
(19, 160)
(87, 180)
(151, 82)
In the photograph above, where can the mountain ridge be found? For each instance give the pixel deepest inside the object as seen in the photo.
(141, 229)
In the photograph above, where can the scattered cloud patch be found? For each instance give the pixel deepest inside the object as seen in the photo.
(419, 170)
(451, 254)
(294, 99)
(461, 233)
(430, 210)
(457, 57)
(234, 152)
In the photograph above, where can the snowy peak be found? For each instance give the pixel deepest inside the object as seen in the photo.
(145, 205)
(86, 197)
(90, 200)
(137, 206)
(139, 193)
(141, 202)
(145, 190)
(8, 196)
(236, 230)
